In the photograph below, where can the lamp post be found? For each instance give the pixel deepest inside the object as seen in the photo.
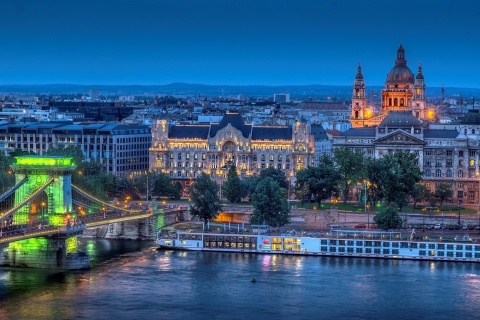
(43, 212)
(364, 187)
(459, 207)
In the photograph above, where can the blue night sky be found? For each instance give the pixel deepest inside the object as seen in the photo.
(237, 42)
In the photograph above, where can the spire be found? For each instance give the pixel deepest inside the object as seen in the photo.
(419, 73)
(359, 75)
(400, 56)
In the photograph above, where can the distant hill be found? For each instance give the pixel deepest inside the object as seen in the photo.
(187, 89)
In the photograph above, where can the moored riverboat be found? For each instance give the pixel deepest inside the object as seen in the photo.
(337, 243)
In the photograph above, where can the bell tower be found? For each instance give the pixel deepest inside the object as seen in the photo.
(419, 101)
(359, 101)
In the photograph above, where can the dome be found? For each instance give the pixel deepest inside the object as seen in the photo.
(419, 74)
(359, 75)
(400, 73)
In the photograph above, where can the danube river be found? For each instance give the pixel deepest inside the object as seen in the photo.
(132, 280)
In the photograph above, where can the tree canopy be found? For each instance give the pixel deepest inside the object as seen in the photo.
(321, 181)
(270, 204)
(388, 218)
(276, 174)
(205, 200)
(232, 188)
(350, 168)
(443, 192)
(71, 151)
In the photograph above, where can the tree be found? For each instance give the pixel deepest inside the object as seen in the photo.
(420, 193)
(443, 192)
(205, 199)
(321, 181)
(270, 204)
(400, 174)
(71, 151)
(249, 184)
(276, 174)
(373, 175)
(159, 185)
(388, 218)
(349, 164)
(232, 188)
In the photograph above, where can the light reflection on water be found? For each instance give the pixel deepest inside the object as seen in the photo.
(137, 282)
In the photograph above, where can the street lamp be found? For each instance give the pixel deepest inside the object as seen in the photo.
(43, 212)
(459, 207)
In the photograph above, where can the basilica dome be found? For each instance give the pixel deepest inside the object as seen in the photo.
(400, 73)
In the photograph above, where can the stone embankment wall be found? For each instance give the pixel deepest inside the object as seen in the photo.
(141, 229)
(43, 253)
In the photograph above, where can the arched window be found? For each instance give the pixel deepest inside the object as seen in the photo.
(401, 102)
(473, 131)
(395, 102)
(356, 114)
(254, 157)
(465, 131)
(263, 157)
(271, 157)
(460, 173)
(449, 173)
(428, 173)
(438, 173)
(390, 102)
(279, 158)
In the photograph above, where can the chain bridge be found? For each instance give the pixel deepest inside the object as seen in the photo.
(42, 215)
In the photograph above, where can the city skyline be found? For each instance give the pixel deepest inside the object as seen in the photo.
(150, 42)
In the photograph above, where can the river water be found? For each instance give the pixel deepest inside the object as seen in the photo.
(132, 280)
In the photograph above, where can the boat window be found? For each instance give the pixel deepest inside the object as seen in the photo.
(459, 247)
(359, 243)
(395, 244)
(359, 250)
(386, 244)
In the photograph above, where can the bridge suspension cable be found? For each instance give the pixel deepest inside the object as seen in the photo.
(26, 200)
(101, 202)
(12, 189)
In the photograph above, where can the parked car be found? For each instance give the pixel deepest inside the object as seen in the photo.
(372, 226)
(335, 226)
(360, 226)
(437, 226)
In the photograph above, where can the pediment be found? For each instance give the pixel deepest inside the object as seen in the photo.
(399, 137)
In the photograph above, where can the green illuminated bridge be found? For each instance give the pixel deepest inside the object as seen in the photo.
(42, 215)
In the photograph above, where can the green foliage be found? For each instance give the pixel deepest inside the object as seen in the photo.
(443, 192)
(5, 162)
(248, 185)
(162, 186)
(19, 153)
(205, 199)
(270, 205)
(276, 174)
(7, 180)
(321, 181)
(420, 193)
(232, 188)
(399, 175)
(71, 151)
(350, 167)
(388, 218)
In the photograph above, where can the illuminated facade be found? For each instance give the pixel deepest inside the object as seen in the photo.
(402, 92)
(122, 149)
(55, 200)
(186, 151)
(447, 153)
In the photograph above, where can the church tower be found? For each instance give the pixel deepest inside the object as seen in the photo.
(359, 101)
(419, 101)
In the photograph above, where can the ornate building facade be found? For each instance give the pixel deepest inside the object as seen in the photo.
(185, 151)
(402, 92)
(446, 153)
